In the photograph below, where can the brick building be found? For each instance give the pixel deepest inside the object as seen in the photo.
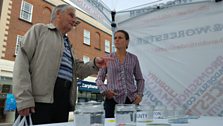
(89, 39)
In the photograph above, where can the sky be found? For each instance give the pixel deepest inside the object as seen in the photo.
(119, 5)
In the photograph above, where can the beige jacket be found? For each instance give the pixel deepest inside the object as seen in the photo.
(37, 65)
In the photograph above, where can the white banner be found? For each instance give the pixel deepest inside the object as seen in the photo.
(180, 50)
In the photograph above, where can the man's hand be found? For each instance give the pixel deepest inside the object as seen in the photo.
(26, 111)
(102, 62)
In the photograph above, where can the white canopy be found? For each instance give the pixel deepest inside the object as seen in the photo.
(180, 48)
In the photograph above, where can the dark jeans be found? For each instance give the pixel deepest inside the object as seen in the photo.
(56, 112)
(109, 106)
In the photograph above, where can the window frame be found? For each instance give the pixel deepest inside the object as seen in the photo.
(87, 37)
(86, 59)
(28, 12)
(107, 46)
(19, 40)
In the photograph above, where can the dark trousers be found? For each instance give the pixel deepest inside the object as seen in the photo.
(56, 112)
(109, 107)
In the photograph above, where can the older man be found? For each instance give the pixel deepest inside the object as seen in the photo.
(45, 69)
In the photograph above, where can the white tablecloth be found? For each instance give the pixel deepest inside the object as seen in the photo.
(202, 121)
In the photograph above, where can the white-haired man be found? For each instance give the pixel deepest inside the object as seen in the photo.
(45, 69)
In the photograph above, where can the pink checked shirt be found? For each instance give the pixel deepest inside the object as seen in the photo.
(125, 79)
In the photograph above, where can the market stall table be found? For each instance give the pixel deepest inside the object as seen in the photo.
(202, 121)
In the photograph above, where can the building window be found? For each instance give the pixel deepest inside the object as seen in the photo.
(26, 11)
(113, 48)
(19, 40)
(1, 2)
(86, 59)
(107, 46)
(88, 96)
(87, 39)
(93, 97)
(97, 41)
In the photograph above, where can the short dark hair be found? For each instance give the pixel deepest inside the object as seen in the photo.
(126, 36)
(125, 33)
